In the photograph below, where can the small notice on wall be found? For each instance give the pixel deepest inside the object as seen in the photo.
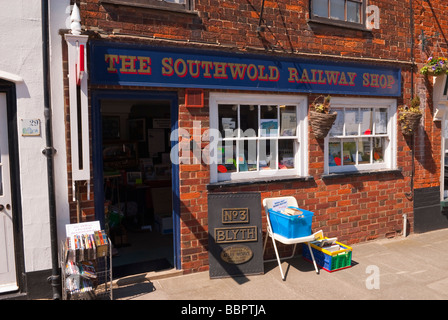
(30, 127)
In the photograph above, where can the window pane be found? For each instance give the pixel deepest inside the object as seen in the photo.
(268, 121)
(378, 149)
(320, 8)
(176, 1)
(268, 154)
(364, 150)
(286, 154)
(381, 121)
(1, 181)
(227, 161)
(337, 9)
(1, 177)
(353, 11)
(338, 125)
(351, 121)
(247, 156)
(227, 117)
(349, 152)
(249, 120)
(366, 121)
(288, 120)
(334, 154)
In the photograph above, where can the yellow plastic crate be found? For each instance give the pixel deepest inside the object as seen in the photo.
(329, 260)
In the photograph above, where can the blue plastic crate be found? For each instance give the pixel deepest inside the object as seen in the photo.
(291, 226)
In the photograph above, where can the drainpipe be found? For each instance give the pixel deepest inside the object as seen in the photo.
(405, 222)
(410, 195)
(49, 152)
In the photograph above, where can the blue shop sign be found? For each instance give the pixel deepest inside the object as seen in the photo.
(185, 68)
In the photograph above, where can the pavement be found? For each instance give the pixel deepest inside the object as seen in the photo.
(403, 268)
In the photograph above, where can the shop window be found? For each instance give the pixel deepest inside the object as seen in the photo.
(363, 135)
(342, 12)
(257, 136)
(175, 5)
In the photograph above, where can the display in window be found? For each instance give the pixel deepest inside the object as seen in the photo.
(228, 127)
(334, 153)
(349, 148)
(249, 120)
(338, 125)
(268, 155)
(268, 127)
(366, 121)
(381, 121)
(227, 161)
(360, 138)
(351, 122)
(378, 149)
(286, 154)
(247, 155)
(364, 147)
(227, 118)
(268, 121)
(288, 121)
(255, 138)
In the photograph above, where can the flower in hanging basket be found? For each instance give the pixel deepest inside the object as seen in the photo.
(321, 119)
(435, 66)
(409, 117)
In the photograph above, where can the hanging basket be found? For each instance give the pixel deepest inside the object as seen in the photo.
(321, 123)
(409, 122)
(435, 66)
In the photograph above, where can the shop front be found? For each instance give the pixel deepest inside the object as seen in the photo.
(431, 203)
(172, 125)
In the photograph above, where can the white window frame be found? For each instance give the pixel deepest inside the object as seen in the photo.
(390, 152)
(301, 156)
(169, 5)
(345, 22)
(444, 154)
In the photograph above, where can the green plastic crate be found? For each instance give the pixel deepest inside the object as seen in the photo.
(329, 261)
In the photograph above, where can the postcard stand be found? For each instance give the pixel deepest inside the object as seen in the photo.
(86, 263)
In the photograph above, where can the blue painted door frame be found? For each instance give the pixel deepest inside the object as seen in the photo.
(97, 153)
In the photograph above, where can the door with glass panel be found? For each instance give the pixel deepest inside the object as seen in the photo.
(8, 280)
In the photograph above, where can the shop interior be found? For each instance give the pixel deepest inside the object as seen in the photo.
(137, 184)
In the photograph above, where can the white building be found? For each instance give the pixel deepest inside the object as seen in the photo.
(28, 205)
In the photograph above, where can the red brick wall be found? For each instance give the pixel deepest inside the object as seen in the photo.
(430, 18)
(354, 209)
(234, 23)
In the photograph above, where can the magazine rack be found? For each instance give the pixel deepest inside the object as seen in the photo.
(86, 272)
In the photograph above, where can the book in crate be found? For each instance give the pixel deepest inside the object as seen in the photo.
(329, 254)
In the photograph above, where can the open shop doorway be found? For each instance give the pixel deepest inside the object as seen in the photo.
(137, 192)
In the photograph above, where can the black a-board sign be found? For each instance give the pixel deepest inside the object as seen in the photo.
(235, 234)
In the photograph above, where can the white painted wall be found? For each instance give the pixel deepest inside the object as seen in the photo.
(21, 55)
(60, 11)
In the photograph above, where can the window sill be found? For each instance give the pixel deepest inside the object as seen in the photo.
(335, 23)
(359, 173)
(237, 183)
(167, 7)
